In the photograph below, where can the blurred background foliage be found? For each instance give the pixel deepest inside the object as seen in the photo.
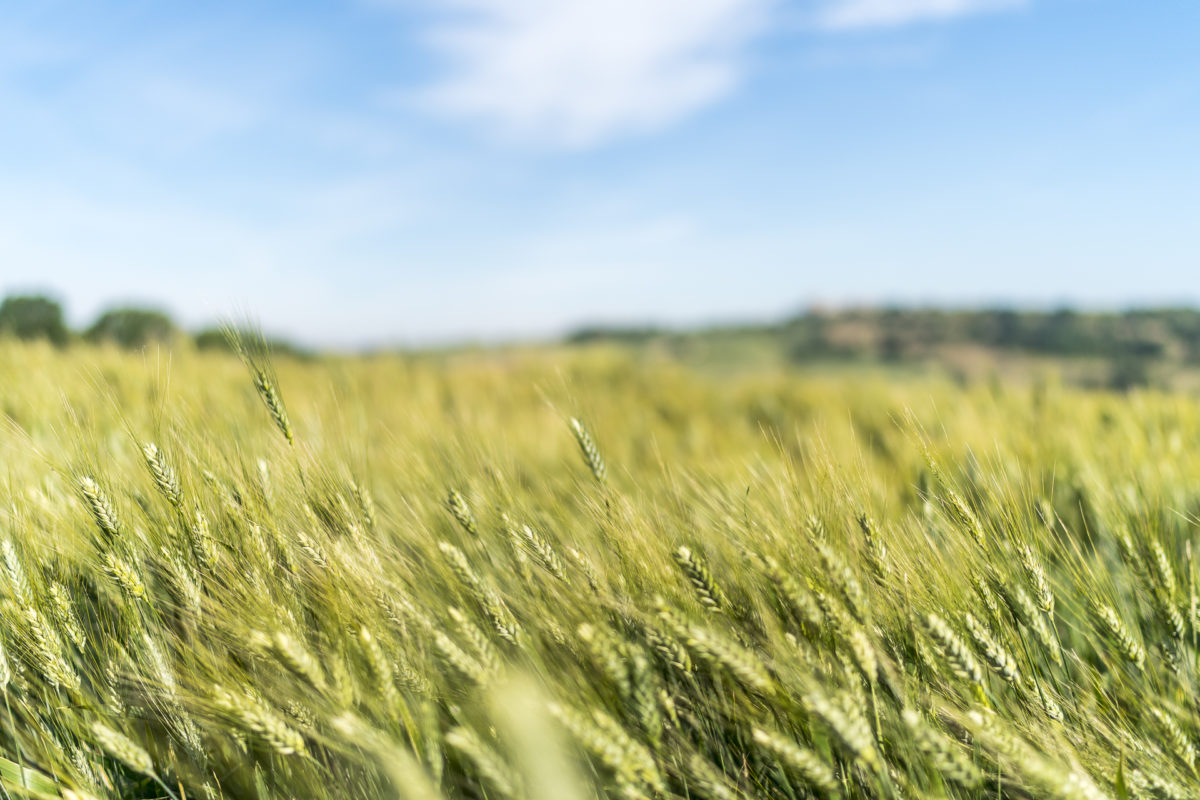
(1117, 350)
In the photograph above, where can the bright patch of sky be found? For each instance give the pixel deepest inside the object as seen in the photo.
(416, 170)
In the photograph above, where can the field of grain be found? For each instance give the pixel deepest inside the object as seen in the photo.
(562, 574)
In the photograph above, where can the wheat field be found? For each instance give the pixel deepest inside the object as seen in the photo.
(561, 575)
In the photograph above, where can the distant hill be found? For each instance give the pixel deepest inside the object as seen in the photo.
(1125, 348)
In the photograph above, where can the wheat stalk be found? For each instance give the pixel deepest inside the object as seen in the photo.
(591, 453)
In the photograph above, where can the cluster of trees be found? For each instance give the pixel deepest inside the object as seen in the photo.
(1131, 342)
(33, 317)
(1134, 345)
(896, 334)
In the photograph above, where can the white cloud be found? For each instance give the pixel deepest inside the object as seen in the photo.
(849, 14)
(579, 72)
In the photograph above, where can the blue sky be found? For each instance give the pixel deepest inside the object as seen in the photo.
(374, 171)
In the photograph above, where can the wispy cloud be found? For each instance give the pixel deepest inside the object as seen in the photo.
(579, 72)
(850, 14)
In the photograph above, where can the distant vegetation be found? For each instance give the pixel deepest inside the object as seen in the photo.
(1131, 344)
(37, 317)
(218, 339)
(132, 327)
(33, 318)
(1114, 350)
(895, 334)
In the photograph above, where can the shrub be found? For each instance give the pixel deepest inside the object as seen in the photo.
(132, 327)
(33, 317)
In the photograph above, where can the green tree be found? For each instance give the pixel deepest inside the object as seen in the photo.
(132, 327)
(218, 339)
(1128, 371)
(33, 317)
(213, 339)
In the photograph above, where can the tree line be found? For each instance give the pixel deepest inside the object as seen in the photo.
(38, 317)
(1134, 344)
(897, 334)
